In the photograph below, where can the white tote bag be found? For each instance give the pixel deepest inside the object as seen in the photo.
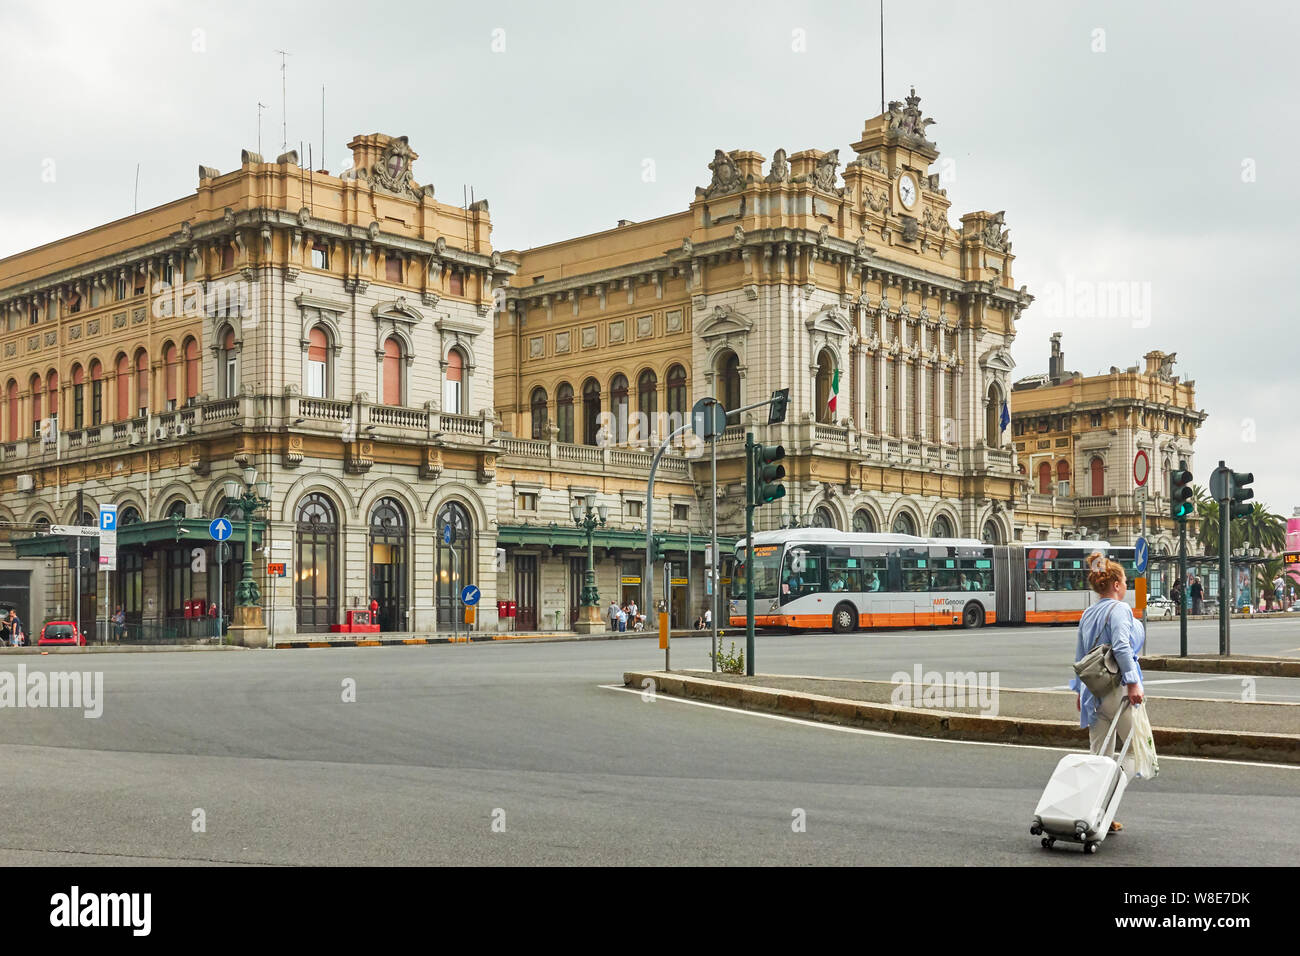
(1146, 764)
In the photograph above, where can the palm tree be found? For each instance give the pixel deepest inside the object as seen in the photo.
(1208, 531)
(1264, 575)
(1262, 529)
(1199, 497)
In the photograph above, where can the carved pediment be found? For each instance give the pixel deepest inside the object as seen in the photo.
(830, 321)
(725, 320)
(998, 360)
(397, 310)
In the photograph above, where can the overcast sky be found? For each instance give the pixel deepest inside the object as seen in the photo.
(1148, 144)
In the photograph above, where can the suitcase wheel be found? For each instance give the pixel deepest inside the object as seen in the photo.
(1035, 829)
(1048, 843)
(1090, 847)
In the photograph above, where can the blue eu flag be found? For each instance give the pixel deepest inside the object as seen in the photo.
(1005, 420)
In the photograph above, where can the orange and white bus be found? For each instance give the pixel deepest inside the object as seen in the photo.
(823, 579)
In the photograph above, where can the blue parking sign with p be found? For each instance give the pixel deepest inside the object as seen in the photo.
(108, 517)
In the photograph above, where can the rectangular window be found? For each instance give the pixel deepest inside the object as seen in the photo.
(633, 509)
(139, 284)
(451, 398)
(167, 273)
(232, 377)
(527, 501)
(190, 268)
(681, 512)
(456, 284)
(227, 257)
(1096, 419)
(96, 402)
(78, 405)
(320, 257)
(393, 269)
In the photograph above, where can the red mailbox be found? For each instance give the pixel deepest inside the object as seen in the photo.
(501, 609)
(189, 608)
(510, 609)
(357, 621)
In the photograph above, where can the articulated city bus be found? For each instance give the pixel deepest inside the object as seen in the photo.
(820, 578)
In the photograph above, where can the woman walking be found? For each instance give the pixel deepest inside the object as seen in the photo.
(1110, 621)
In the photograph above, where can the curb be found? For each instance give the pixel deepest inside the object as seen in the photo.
(1245, 666)
(557, 638)
(948, 725)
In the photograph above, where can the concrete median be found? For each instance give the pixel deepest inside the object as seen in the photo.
(1192, 727)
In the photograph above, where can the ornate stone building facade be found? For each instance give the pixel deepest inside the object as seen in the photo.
(331, 332)
(1076, 438)
(781, 274)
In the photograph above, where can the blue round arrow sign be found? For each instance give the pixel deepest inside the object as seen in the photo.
(1141, 551)
(470, 594)
(219, 529)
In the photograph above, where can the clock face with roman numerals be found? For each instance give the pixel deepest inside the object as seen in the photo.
(907, 190)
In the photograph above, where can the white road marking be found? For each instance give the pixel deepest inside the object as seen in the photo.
(938, 740)
(1167, 680)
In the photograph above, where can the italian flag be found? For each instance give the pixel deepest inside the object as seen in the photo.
(835, 392)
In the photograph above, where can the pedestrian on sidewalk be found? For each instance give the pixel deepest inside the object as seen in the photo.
(1110, 621)
(1177, 595)
(1198, 593)
(622, 619)
(611, 612)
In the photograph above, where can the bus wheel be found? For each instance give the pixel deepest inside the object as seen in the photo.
(973, 616)
(844, 619)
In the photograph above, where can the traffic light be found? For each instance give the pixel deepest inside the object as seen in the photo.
(1239, 493)
(776, 410)
(768, 473)
(657, 545)
(1180, 493)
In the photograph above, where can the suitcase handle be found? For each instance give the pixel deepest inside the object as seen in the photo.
(1108, 742)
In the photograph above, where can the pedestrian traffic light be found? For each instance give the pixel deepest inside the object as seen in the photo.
(1240, 494)
(1180, 493)
(768, 473)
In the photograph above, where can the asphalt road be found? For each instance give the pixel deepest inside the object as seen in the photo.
(441, 740)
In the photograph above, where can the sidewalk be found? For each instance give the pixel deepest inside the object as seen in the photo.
(1244, 665)
(1194, 727)
(474, 637)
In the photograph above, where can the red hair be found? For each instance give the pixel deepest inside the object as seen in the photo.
(1104, 573)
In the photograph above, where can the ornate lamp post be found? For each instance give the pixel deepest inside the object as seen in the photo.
(588, 518)
(248, 498)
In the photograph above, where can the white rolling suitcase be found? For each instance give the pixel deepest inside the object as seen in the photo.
(1083, 794)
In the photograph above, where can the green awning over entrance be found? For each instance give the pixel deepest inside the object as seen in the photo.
(555, 536)
(193, 531)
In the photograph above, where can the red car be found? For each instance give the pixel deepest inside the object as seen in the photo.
(62, 632)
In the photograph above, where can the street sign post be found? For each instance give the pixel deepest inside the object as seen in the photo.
(220, 529)
(469, 595)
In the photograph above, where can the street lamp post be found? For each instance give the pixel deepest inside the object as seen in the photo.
(249, 497)
(587, 517)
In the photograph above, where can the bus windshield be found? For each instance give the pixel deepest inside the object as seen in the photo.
(767, 568)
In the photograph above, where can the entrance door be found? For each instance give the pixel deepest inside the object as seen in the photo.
(577, 575)
(525, 592)
(386, 578)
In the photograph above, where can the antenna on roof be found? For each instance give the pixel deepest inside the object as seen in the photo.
(137, 189)
(322, 122)
(284, 100)
(882, 56)
(260, 106)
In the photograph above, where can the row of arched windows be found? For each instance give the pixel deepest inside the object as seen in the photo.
(318, 375)
(128, 377)
(620, 411)
(1096, 476)
(904, 523)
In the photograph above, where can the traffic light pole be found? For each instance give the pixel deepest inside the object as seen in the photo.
(1182, 586)
(1225, 574)
(749, 553)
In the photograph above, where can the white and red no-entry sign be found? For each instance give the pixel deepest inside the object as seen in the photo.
(1141, 467)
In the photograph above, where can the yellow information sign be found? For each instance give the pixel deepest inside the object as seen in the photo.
(628, 579)
(663, 630)
(469, 615)
(679, 582)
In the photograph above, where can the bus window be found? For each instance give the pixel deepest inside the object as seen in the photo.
(767, 562)
(847, 574)
(916, 576)
(945, 576)
(976, 574)
(808, 579)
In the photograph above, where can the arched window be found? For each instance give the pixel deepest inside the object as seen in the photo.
(726, 388)
(393, 384)
(825, 387)
(191, 369)
(590, 411)
(564, 412)
(647, 404)
(1045, 478)
(990, 534)
(823, 518)
(170, 370)
(942, 527)
(123, 385)
(863, 522)
(1063, 478)
(904, 524)
(454, 561)
(176, 509)
(52, 397)
(1097, 474)
(992, 418)
(11, 416)
(35, 386)
(229, 365)
(453, 398)
(676, 397)
(388, 563)
(96, 393)
(78, 396)
(537, 413)
(130, 515)
(618, 393)
(318, 363)
(316, 546)
(142, 382)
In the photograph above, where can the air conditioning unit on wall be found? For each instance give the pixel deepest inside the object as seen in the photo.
(134, 439)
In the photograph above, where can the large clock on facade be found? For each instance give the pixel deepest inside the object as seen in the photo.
(907, 191)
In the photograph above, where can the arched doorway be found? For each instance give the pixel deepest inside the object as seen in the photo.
(388, 550)
(564, 412)
(590, 412)
(727, 384)
(454, 568)
(992, 418)
(316, 544)
(904, 524)
(825, 387)
(1045, 478)
(990, 534)
(1063, 478)
(1097, 476)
